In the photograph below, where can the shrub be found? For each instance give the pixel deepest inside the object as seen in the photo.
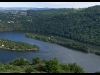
(52, 66)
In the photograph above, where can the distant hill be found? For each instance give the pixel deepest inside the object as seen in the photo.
(24, 8)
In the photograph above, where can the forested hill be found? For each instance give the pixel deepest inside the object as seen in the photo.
(79, 24)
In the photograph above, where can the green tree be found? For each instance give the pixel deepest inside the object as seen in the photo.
(29, 70)
(20, 61)
(52, 66)
(65, 68)
(35, 60)
(75, 68)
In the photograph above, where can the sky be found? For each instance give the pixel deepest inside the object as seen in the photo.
(49, 4)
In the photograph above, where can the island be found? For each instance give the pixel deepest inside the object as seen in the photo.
(17, 46)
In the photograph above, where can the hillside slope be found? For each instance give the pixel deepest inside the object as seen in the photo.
(78, 24)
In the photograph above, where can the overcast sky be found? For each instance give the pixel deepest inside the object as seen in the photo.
(49, 4)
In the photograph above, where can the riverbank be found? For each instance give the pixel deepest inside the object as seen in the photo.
(63, 42)
(17, 46)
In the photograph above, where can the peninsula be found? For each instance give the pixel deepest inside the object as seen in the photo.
(17, 46)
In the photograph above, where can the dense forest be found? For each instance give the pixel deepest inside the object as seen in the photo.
(17, 46)
(81, 24)
(22, 65)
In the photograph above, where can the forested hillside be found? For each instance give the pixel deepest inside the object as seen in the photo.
(78, 24)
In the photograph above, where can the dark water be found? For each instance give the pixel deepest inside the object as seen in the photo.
(89, 62)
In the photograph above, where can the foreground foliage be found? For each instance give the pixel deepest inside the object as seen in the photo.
(22, 65)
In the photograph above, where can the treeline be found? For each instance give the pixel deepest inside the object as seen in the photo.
(52, 39)
(82, 24)
(22, 65)
(18, 46)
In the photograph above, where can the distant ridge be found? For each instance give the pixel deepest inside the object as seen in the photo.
(24, 8)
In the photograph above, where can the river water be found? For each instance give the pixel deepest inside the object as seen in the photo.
(88, 61)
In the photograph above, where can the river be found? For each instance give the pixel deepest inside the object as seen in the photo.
(88, 61)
